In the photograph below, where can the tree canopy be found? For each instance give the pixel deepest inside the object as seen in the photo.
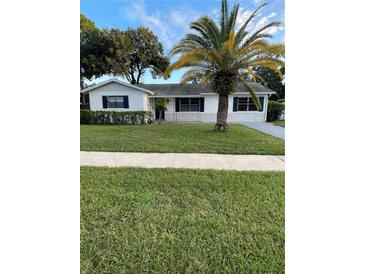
(146, 53)
(119, 48)
(271, 79)
(127, 53)
(93, 50)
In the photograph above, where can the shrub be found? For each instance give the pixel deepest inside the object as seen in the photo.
(274, 110)
(115, 117)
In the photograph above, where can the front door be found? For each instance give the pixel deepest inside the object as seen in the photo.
(157, 115)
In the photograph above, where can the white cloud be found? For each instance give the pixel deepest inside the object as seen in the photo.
(178, 18)
(168, 26)
(258, 22)
(242, 17)
(264, 20)
(137, 11)
(181, 18)
(214, 14)
(273, 14)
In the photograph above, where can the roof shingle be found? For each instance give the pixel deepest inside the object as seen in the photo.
(194, 89)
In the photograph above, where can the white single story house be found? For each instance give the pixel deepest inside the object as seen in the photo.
(187, 103)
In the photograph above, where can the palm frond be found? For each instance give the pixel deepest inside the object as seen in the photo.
(194, 57)
(215, 58)
(267, 59)
(232, 20)
(258, 44)
(257, 32)
(229, 44)
(271, 65)
(207, 78)
(242, 31)
(256, 76)
(224, 16)
(253, 94)
(269, 53)
(192, 74)
(207, 30)
(188, 43)
(212, 31)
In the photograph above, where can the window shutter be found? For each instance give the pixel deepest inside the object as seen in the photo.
(177, 104)
(125, 102)
(235, 103)
(201, 104)
(262, 103)
(105, 101)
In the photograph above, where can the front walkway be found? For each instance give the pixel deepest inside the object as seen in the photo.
(267, 128)
(182, 160)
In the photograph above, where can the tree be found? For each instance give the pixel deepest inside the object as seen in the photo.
(93, 50)
(225, 57)
(160, 106)
(117, 55)
(271, 79)
(112, 51)
(146, 53)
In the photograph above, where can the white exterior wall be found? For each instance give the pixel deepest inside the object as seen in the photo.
(146, 102)
(138, 100)
(210, 112)
(246, 116)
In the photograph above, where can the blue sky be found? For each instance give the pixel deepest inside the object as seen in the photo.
(169, 19)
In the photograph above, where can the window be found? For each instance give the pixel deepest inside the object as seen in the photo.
(242, 104)
(189, 104)
(246, 104)
(115, 102)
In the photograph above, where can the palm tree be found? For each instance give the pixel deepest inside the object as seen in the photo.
(160, 106)
(225, 56)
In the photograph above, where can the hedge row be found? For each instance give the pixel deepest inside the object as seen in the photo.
(275, 109)
(115, 117)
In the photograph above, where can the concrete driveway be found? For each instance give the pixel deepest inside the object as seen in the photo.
(267, 128)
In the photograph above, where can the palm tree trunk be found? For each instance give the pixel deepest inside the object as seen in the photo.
(159, 117)
(222, 113)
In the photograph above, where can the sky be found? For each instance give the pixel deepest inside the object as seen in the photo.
(170, 19)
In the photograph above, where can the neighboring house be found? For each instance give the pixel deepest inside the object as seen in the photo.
(187, 103)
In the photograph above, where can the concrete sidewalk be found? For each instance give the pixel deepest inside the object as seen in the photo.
(182, 160)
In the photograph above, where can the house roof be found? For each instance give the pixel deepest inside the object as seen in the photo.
(178, 89)
(118, 82)
(195, 89)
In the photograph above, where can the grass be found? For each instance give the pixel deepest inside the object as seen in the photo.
(136, 220)
(198, 138)
(280, 123)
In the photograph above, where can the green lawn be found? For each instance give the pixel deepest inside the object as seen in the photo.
(136, 220)
(198, 138)
(280, 123)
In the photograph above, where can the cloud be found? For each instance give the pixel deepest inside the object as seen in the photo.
(273, 14)
(137, 11)
(262, 22)
(242, 17)
(170, 27)
(181, 18)
(258, 22)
